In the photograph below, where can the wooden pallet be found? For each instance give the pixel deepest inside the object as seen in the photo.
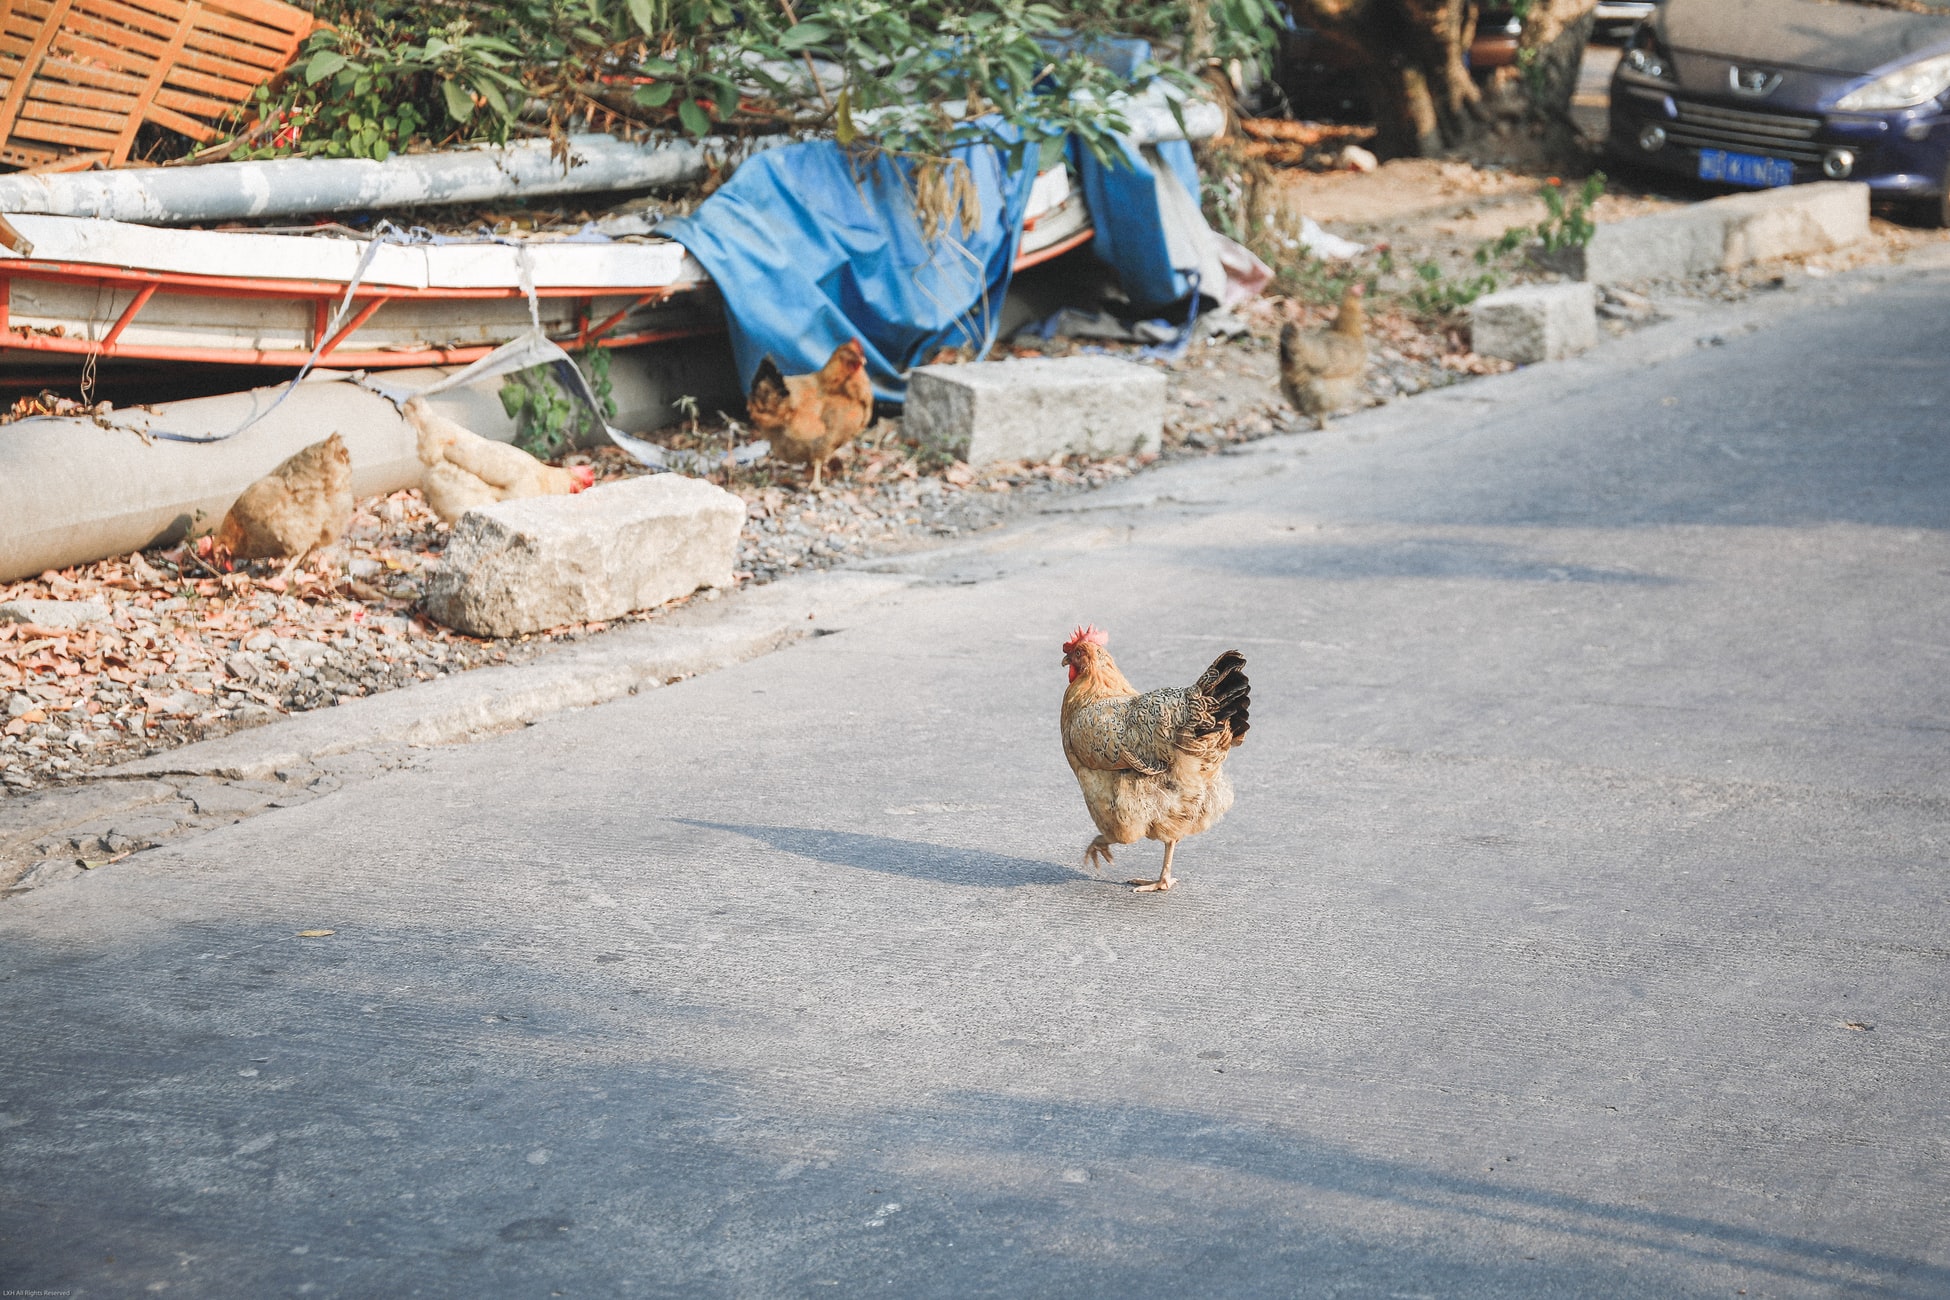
(78, 77)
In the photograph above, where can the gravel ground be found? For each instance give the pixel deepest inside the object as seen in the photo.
(179, 653)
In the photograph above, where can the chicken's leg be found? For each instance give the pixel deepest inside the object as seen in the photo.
(818, 465)
(1163, 882)
(1097, 848)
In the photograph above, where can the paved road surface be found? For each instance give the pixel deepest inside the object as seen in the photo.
(1596, 788)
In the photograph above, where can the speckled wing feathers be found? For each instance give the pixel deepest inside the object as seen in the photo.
(1142, 733)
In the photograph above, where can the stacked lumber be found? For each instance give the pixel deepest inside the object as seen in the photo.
(78, 78)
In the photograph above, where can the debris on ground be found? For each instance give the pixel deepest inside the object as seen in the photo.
(1320, 146)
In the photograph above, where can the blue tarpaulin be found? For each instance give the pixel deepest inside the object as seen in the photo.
(1128, 210)
(810, 248)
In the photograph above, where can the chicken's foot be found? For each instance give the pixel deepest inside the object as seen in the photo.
(1097, 848)
(1164, 880)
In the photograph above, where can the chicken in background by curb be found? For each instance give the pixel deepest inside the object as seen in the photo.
(302, 505)
(1151, 766)
(1321, 370)
(465, 470)
(809, 417)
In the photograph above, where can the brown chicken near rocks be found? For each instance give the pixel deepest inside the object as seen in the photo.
(809, 417)
(1321, 370)
(302, 505)
(1151, 766)
(465, 470)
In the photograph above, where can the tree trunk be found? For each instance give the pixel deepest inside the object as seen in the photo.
(1551, 53)
(1413, 55)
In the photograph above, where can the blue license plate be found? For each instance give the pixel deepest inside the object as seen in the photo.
(1729, 168)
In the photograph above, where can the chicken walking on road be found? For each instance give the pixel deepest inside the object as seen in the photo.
(809, 417)
(1151, 766)
(1321, 370)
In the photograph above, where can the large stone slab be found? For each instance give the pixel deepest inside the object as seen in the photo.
(1538, 322)
(1728, 233)
(522, 566)
(1036, 410)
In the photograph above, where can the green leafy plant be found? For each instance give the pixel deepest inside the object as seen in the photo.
(1436, 293)
(1569, 223)
(908, 82)
(548, 420)
(366, 91)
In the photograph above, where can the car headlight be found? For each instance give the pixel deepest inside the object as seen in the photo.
(1906, 87)
(1646, 57)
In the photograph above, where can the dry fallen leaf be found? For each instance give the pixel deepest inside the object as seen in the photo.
(1856, 1024)
(315, 934)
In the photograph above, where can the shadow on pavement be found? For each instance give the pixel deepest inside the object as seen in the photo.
(939, 863)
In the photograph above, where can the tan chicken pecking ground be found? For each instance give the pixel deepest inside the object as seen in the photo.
(301, 506)
(809, 417)
(1151, 766)
(1321, 370)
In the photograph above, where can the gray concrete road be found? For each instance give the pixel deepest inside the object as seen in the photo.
(1579, 931)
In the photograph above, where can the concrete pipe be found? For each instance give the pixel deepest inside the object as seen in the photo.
(292, 187)
(72, 492)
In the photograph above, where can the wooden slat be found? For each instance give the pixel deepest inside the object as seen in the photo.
(116, 38)
(231, 92)
(40, 110)
(212, 65)
(144, 21)
(60, 92)
(85, 52)
(70, 71)
(194, 105)
(21, 156)
(55, 133)
(201, 132)
(262, 58)
(211, 19)
(284, 17)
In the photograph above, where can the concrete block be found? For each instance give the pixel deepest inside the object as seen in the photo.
(522, 566)
(1036, 410)
(1728, 233)
(63, 614)
(1538, 322)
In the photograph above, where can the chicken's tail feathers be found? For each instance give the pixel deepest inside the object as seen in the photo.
(767, 380)
(1226, 695)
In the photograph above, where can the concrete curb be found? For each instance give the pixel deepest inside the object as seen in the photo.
(1728, 233)
(690, 641)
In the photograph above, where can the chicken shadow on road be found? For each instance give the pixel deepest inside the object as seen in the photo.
(913, 858)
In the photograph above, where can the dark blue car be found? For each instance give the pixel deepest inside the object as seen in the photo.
(1771, 92)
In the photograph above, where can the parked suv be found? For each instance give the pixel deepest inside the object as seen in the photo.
(1758, 93)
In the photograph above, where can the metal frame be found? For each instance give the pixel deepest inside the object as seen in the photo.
(324, 294)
